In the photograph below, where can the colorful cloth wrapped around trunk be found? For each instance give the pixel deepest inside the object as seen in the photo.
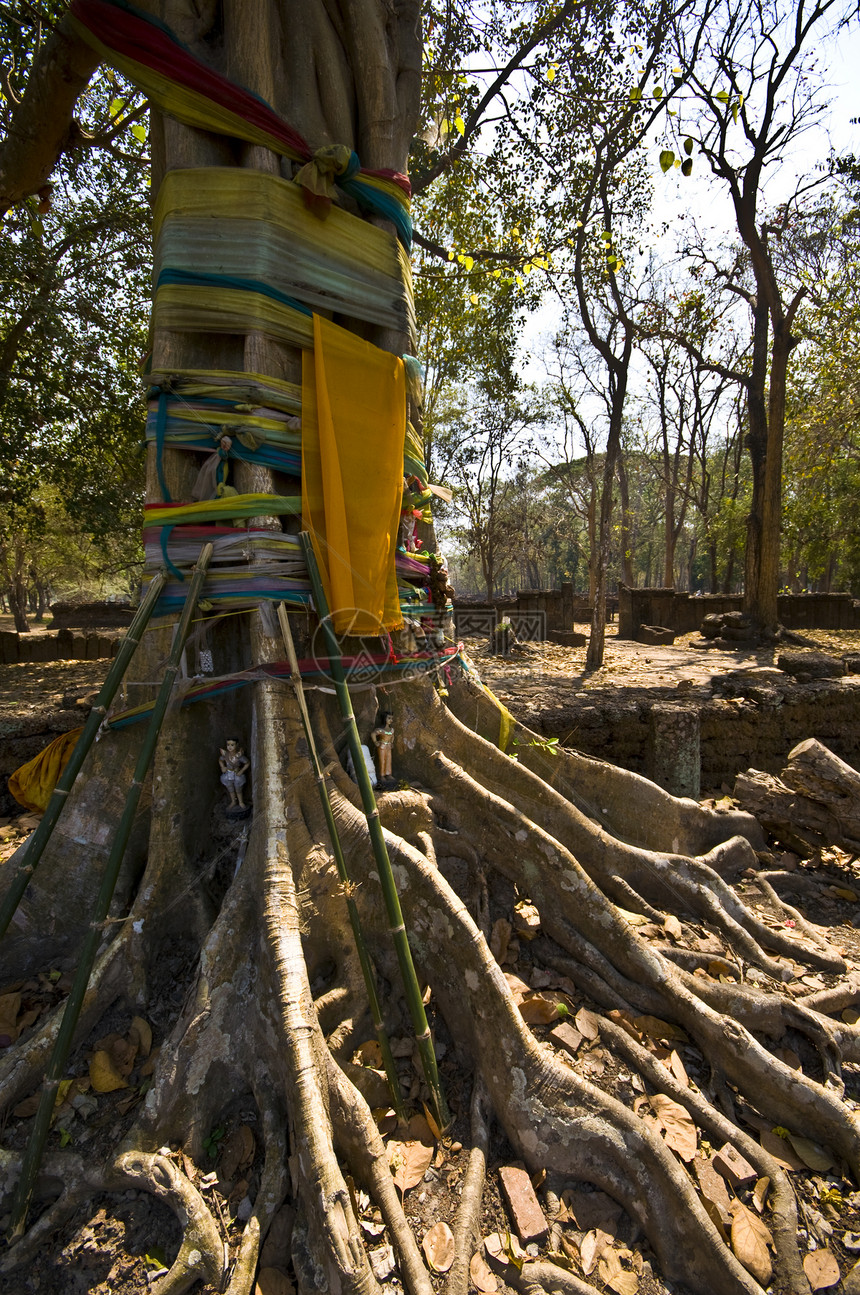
(353, 430)
(33, 784)
(152, 57)
(222, 233)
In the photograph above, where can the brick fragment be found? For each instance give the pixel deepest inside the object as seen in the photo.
(713, 1187)
(566, 1037)
(523, 1204)
(731, 1164)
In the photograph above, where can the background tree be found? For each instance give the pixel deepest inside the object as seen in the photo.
(755, 91)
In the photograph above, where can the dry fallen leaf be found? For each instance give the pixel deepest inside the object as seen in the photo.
(591, 1210)
(28, 1107)
(811, 1154)
(10, 1006)
(662, 1030)
(411, 1158)
(760, 1192)
(821, 1269)
(140, 1033)
(719, 968)
(482, 1277)
(678, 1069)
(148, 1067)
(611, 1272)
(537, 1010)
(271, 1281)
(104, 1076)
(677, 1123)
(369, 1054)
(500, 939)
(672, 927)
(591, 1248)
(781, 1150)
(431, 1122)
(438, 1247)
(382, 1262)
(587, 1024)
(518, 987)
(526, 920)
(504, 1248)
(750, 1240)
(625, 1020)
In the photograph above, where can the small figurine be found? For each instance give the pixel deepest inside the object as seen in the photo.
(383, 739)
(406, 536)
(234, 765)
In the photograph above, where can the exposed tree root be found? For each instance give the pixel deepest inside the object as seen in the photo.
(201, 1254)
(277, 1005)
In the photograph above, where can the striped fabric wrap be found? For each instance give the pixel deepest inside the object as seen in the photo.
(229, 240)
(152, 57)
(240, 251)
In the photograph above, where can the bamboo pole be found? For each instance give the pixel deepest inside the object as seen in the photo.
(396, 925)
(65, 1035)
(342, 872)
(35, 847)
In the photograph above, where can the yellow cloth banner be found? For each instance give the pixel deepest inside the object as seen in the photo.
(353, 429)
(33, 783)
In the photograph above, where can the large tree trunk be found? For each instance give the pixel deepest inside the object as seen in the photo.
(244, 956)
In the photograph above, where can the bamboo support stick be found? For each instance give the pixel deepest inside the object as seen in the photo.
(65, 1035)
(340, 863)
(35, 847)
(396, 925)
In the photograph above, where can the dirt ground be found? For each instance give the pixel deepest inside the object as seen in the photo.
(121, 1242)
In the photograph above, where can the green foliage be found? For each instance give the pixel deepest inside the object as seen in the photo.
(74, 268)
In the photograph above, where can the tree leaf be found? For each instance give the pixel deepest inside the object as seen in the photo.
(781, 1150)
(537, 1010)
(438, 1247)
(10, 1006)
(611, 1272)
(687, 166)
(667, 159)
(382, 1261)
(821, 1269)
(811, 1154)
(671, 925)
(104, 1076)
(504, 1248)
(760, 1192)
(482, 1277)
(139, 132)
(750, 1239)
(587, 1024)
(678, 1125)
(662, 1030)
(500, 938)
(688, 146)
(409, 1161)
(459, 125)
(271, 1281)
(140, 1033)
